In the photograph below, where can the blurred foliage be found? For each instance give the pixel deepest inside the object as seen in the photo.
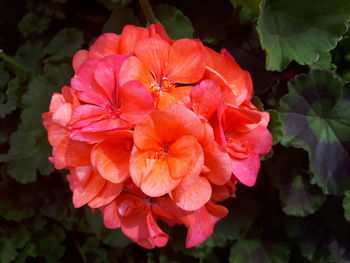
(299, 210)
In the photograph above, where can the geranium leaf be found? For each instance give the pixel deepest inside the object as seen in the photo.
(174, 21)
(275, 126)
(258, 251)
(346, 205)
(298, 30)
(297, 195)
(120, 17)
(114, 238)
(315, 117)
(64, 44)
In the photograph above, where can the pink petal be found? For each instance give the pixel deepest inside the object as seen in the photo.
(246, 170)
(110, 216)
(205, 98)
(87, 89)
(106, 75)
(136, 101)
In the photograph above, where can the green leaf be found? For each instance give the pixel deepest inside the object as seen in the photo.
(11, 240)
(315, 117)
(4, 75)
(275, 126)
(297, 195)
(252, 4)
(346, 206)
(33, 22)
(299, 198)
(92, 248)
(324, 61)
(10, 98)
(120, 17)
(49, 245)
(174, 21)
(30, 55)
(37, 99)
(300, 30)
(25, 158)
(258, 251)
(114, 238)
(64, 44)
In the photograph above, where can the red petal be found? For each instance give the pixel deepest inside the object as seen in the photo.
(186, 61)
(157, 30)
(73, 153)
(79, 58)
(85, 114)
(135, 69)
(111, 157)
(136, 101)
(84, 194)
(154, 53)
(143, 229)
(167, 125)
(202, 223)
(219, 164)
(106, 44)
(205, 98)
(227, 73)
(246, 170)
(153, 176)
(110, 216)
(87, 88)
(195, 197)
(108, 193)
(130, 36)
(106, 74)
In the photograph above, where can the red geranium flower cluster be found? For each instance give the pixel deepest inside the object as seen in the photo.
(156, 129)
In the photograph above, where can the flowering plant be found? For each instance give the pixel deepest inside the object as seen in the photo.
(155, 129)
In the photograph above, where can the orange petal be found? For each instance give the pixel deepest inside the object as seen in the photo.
(154, 53)
(73, 153)
(185, 157)
(151, 175)
(186, 61)
(130, 36)
(178, 95)
(195, 197)
(157, 30)
(111, 157)
(168, 126)
(134, 69)
(56, 133)
(84, 194)
(227, 73)
(219, 164)
(108, 193)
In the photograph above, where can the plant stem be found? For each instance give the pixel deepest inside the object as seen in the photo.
(147, 10)
(13, 62)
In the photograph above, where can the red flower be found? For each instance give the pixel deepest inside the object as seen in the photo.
(153, 130)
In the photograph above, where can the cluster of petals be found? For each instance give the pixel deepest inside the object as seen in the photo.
(153, 129)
